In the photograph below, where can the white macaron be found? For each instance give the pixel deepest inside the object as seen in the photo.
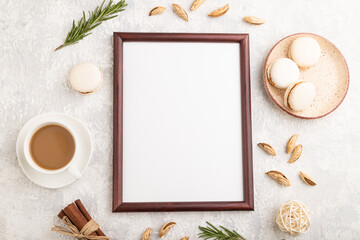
(305, 51)
(86, 78)
(283, 72)
(299, 96)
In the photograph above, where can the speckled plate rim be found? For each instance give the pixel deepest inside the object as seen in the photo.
(283, 108)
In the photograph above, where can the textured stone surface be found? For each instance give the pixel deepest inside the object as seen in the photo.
(33, 80)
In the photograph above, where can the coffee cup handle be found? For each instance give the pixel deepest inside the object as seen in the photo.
(74, 171)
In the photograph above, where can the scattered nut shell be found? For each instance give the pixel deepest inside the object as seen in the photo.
(291, 143)
(147, 234)
(279, 177)
(269, 149)
(185, 238)
(307, 179)
(157, 11)
(196, 4)
(254, 20)
(295, 154)
(167, 226)
(180, 12)
(219, 12)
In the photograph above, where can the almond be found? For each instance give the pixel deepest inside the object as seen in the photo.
(147, 234)
(185, 238)
(254, 20)
(219, 12)
(295, 154)
(196, 4)
(307, 179)
(291, 143)
(157, 11)
(267, 148)
(166, 227)
(180, 12)
(279, 177)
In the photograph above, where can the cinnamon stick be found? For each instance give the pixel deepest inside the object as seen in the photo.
(87, 215)
(61, 214)
(76, 217)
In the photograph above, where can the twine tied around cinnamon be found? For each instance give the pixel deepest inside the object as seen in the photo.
(83, 234)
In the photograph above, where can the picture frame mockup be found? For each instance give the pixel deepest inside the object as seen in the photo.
(182, 123)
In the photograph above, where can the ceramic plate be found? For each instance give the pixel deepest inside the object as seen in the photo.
(83, 158)
(330, 75)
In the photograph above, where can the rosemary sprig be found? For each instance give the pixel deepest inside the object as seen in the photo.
(211, 232)
(84, 26)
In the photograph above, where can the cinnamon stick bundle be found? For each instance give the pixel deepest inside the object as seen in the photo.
(87, 216)
(79, 216)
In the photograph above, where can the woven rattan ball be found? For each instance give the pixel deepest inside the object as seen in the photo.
(293, 217)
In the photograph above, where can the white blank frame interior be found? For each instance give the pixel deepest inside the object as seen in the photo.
(181, 122)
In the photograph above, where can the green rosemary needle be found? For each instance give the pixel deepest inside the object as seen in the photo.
(211, 232)
(84, 26)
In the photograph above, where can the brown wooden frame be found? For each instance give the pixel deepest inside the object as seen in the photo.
(248, 203)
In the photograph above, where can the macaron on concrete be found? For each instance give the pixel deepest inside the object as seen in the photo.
(86, 78)
(283, 72)
(299, 96)
(305, 51)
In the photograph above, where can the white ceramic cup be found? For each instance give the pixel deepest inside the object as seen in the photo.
(70, 167)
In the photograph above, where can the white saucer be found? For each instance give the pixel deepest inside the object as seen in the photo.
(83, 158)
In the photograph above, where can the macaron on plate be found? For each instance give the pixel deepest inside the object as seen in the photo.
(319, 84)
